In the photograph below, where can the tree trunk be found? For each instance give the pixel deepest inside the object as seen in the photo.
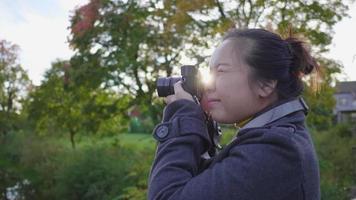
(5, 194)
(72, 133)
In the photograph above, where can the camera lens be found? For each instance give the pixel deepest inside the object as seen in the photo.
(165, 86)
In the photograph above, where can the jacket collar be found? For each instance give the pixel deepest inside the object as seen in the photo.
(287, 111)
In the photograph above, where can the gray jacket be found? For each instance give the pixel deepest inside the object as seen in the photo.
(276, 161)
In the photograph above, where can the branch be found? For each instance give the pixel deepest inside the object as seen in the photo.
(283, 11)
(120, 82)
(238, 15)
(138, 82)
(259, 14)
(250, 13)
(221, 9)
(244, 14)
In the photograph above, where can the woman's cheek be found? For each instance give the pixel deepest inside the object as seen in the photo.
(204, 103)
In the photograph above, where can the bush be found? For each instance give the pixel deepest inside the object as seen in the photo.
(141, 125)
(94, 173)
(13, 175)
(337, 164)
(100, 168)
(139, 174)
(113, 126)
(46, 168)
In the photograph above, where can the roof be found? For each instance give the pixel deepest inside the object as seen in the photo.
(346, 87)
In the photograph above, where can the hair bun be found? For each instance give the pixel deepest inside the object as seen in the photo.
(302, 62)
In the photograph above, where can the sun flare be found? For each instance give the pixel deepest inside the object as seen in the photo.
(205, 76)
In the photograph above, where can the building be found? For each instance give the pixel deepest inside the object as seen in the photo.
(345, 95)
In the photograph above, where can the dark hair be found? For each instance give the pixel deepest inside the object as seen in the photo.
(273, 58)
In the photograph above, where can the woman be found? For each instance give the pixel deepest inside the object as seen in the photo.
(256, 84)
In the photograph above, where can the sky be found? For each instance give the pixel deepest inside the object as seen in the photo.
(39, 27)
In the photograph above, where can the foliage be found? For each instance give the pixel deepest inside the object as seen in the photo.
(53, 170)
(116, 52)
(94, 175)
(320, 96)
(13, 86)
(121, 48)
(313, 19)
(58, 106)
(336, 160)
(103, 167)
(125, 45)
(12, 174)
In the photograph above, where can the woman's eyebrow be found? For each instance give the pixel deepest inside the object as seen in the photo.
(224, 64)
(220, 64)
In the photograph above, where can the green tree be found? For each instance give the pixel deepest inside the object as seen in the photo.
(313, 19)
(321, 101)
(14, 83)
(126, 45)
(58, 106)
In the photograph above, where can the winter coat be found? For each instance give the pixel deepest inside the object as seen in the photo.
(274, 162)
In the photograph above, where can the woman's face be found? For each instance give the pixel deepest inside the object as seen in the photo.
(230, 97)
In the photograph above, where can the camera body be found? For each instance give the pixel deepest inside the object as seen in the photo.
(190, 78)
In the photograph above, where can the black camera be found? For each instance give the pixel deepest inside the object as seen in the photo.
(191, 82)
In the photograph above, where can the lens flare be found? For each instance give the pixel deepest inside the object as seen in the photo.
(205, 76)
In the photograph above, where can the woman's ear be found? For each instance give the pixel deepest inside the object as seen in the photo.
(266, 88)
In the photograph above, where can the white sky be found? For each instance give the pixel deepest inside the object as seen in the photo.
(39, 27)
(343, 47)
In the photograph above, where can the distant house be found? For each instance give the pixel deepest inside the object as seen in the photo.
(345, 95)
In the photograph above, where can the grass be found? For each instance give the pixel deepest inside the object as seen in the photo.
(131, 140)
(137, 139)
(140, 141)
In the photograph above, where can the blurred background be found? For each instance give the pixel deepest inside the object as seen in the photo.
(77, 87)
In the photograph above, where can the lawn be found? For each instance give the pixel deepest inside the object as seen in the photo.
(139, 140)
(131, 140)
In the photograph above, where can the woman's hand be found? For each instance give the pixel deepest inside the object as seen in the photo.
(179, 93)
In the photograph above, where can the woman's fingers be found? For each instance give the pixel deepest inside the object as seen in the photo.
(179, 93)
(178, 90)
(169, 99)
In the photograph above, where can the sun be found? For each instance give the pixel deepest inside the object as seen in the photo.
(205, 75)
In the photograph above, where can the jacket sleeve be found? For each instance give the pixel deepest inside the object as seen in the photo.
(175, 174)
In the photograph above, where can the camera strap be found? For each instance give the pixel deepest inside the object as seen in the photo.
(277, 113)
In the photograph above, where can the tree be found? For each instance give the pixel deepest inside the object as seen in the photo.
(14, 83)
(126, 45)
(313, 19)
(58, 106)
(322, 102)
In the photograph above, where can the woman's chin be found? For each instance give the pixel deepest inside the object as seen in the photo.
(220, 118)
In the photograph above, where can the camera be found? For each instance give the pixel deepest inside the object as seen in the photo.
(191, 82)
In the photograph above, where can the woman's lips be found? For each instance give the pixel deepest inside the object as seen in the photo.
(212, 102)
(209, 103)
